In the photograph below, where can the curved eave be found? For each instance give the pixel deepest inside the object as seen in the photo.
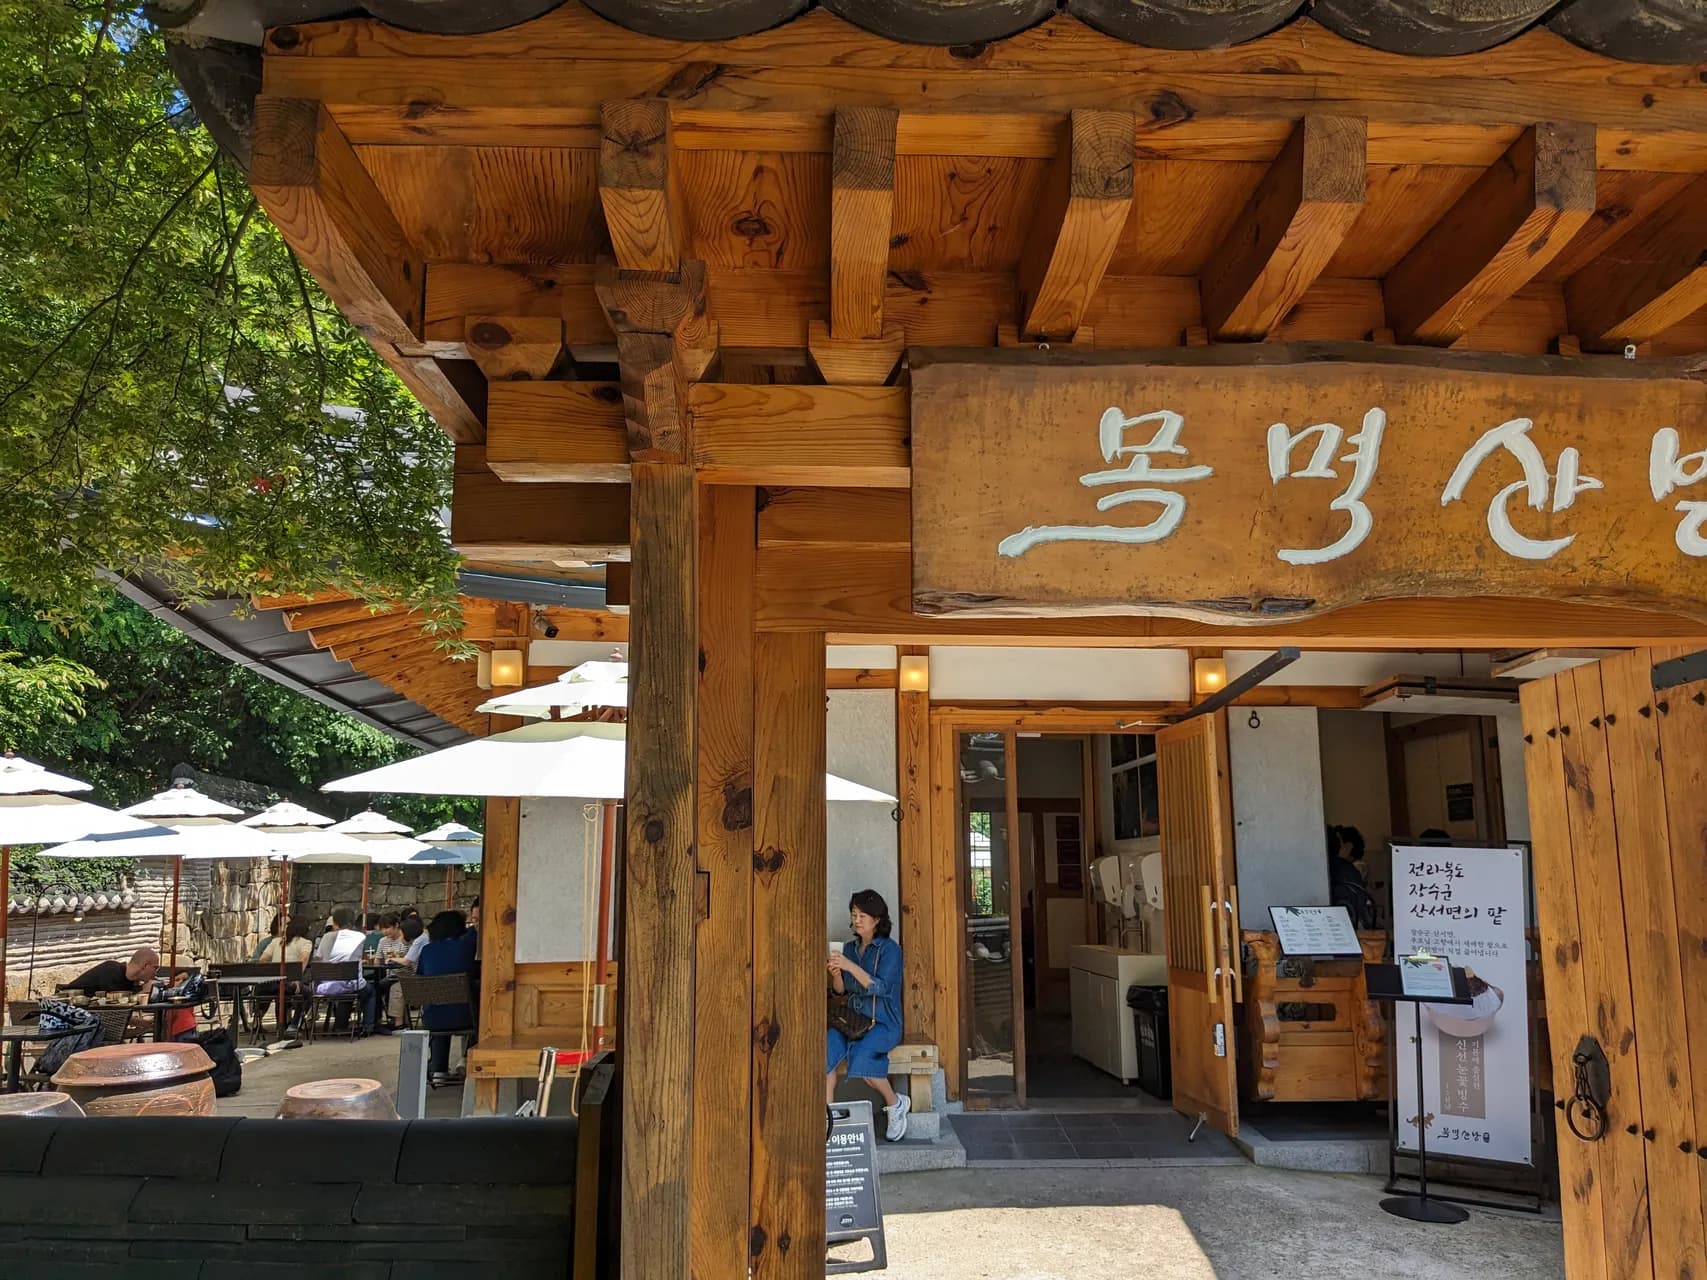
(258, 639)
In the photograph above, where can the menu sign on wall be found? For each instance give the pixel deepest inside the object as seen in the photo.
(1467, 905)
(1315, 931)
(1253, 481)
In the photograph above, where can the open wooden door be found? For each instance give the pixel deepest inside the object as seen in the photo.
(1617, 771)
(1198, 897)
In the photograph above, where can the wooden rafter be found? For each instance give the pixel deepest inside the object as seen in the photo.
(496, 521)
(1086, 198)
(557, 431)
(638, 185)
(1515, 219)
(1650, 279)
(1290, 229)
(862, 200)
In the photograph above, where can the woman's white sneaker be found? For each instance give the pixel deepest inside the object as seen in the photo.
(898, 1118)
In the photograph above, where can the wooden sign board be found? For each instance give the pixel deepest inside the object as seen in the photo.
(1251, 483)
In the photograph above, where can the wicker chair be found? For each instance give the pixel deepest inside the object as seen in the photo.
(115, 1024)
(440, 989)
(22, 1011)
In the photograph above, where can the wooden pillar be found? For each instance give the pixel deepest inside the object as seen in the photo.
(498, 894)
(948, 924)
(723, 1022)
(787, 1223)
(913, 776)
(656, 1039)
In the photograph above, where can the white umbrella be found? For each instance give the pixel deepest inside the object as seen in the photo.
(287, 815)
(384, 840)
(552, 758)
(35, 809)
(370, 822)
(181, 801)
(592, 684)
(453, 835)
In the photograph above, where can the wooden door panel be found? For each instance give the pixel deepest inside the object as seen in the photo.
(1197, 884)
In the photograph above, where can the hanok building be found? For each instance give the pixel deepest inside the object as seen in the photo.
(1007, 368)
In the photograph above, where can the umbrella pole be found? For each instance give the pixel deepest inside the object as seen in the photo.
(607, 857)
(5, 909)
(177, 880)
(284, 908)
(450, 893)
(366, 867)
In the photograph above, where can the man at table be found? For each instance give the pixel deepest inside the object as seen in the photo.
(340, 946)
(135, 974)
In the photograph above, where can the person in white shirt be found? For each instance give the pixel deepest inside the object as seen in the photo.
(344, 944)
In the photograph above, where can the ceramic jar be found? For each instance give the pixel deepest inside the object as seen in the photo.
(140, 1080)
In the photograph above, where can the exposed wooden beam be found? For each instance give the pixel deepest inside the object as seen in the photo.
(1515, 219)
(800, 435)
(851, 678)
(862, 593)
(304, 617)
(1289, 230)
(862, 200)
(391, 624)
(619, 585)
(857, 362)
(638, 185)
(811, 517)
(1650, 278)
(563, 431)
(326, 206)
(453, 391)
(1086, 198)
(509, 347)
(493, 520)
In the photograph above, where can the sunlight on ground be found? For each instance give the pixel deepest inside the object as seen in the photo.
(1066, 1243)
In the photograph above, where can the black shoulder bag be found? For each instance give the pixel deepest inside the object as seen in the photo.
(842, 1015)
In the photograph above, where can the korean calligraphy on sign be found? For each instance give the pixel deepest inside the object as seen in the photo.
(1229, 485)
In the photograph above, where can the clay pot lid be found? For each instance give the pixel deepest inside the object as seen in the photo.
(122, 1065)
(347, 1097)
(38, 1104)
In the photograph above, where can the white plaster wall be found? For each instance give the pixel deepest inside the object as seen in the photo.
(864, 839)
(877, 657)
(1277, 812)
(1347, 668)
(975, 672)
(572, 653)
(558, 859)
(1515, 783)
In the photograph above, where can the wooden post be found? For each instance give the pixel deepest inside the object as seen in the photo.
(450, 888)
(367, 868)
(787, 1234)
(656, 1039)
(913, 775)
(498, 926)
(284, 902)
(177, 882)
(601, 947)
(723, 1021)
(5, 909)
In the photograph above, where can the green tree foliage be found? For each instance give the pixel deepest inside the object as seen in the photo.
(165, 700)
(171, 381)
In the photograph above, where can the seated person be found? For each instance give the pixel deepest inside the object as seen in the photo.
(446, 952)
(392, 946)
(298, 946)
(342, 945)
(275, 930)
(370, 923)
(135, 974)
(414, 938)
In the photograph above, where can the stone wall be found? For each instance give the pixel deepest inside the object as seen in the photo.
(317, 888)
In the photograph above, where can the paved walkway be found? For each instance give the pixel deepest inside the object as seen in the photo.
(1229, 1223)
(375, 1058)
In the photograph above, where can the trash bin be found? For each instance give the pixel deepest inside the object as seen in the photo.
(1149, 1007)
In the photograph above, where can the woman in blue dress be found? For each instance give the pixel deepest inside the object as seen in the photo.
(868, 971)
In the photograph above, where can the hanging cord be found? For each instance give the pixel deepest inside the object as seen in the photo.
(589, 833)
(1584, 1112)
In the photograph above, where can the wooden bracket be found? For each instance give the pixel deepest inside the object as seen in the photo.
(515, 347)
(858, 362)
(862, 202)
(638, 185)
(664, 342)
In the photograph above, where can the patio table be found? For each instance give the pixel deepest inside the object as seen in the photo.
(15, 1037)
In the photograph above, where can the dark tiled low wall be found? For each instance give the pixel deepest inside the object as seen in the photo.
(337, 1200)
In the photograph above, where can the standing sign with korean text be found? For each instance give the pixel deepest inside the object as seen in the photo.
(1468, 906)
(1250, 483)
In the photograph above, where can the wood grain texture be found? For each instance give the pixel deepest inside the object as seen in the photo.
(723, 946)
(639, 186)
(1606, 968)
(497, 521)
(453, 391)
(947, 923)
(786, 1238)
(993, 547)
(314, 188)
(917, 877)
(800, 435)
(859, 362)
(508, 348)
(757, 209)
(964, 211)
(557, 431)
(1562, 964)
(1517, 217)
(498, 889)
(1291, 229)
(658, 881)
(1650, 278)
(1659, 1002)
(862, 204)
(1086, 197)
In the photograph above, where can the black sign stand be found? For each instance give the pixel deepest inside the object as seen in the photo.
(852, 1208)
(1385, 983)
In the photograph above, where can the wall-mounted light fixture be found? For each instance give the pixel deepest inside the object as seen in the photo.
(509, 668)
(483, 669)
(1208, 675)
(915, 673)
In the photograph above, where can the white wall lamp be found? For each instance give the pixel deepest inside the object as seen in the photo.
(1208, 675)
(915, 673)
